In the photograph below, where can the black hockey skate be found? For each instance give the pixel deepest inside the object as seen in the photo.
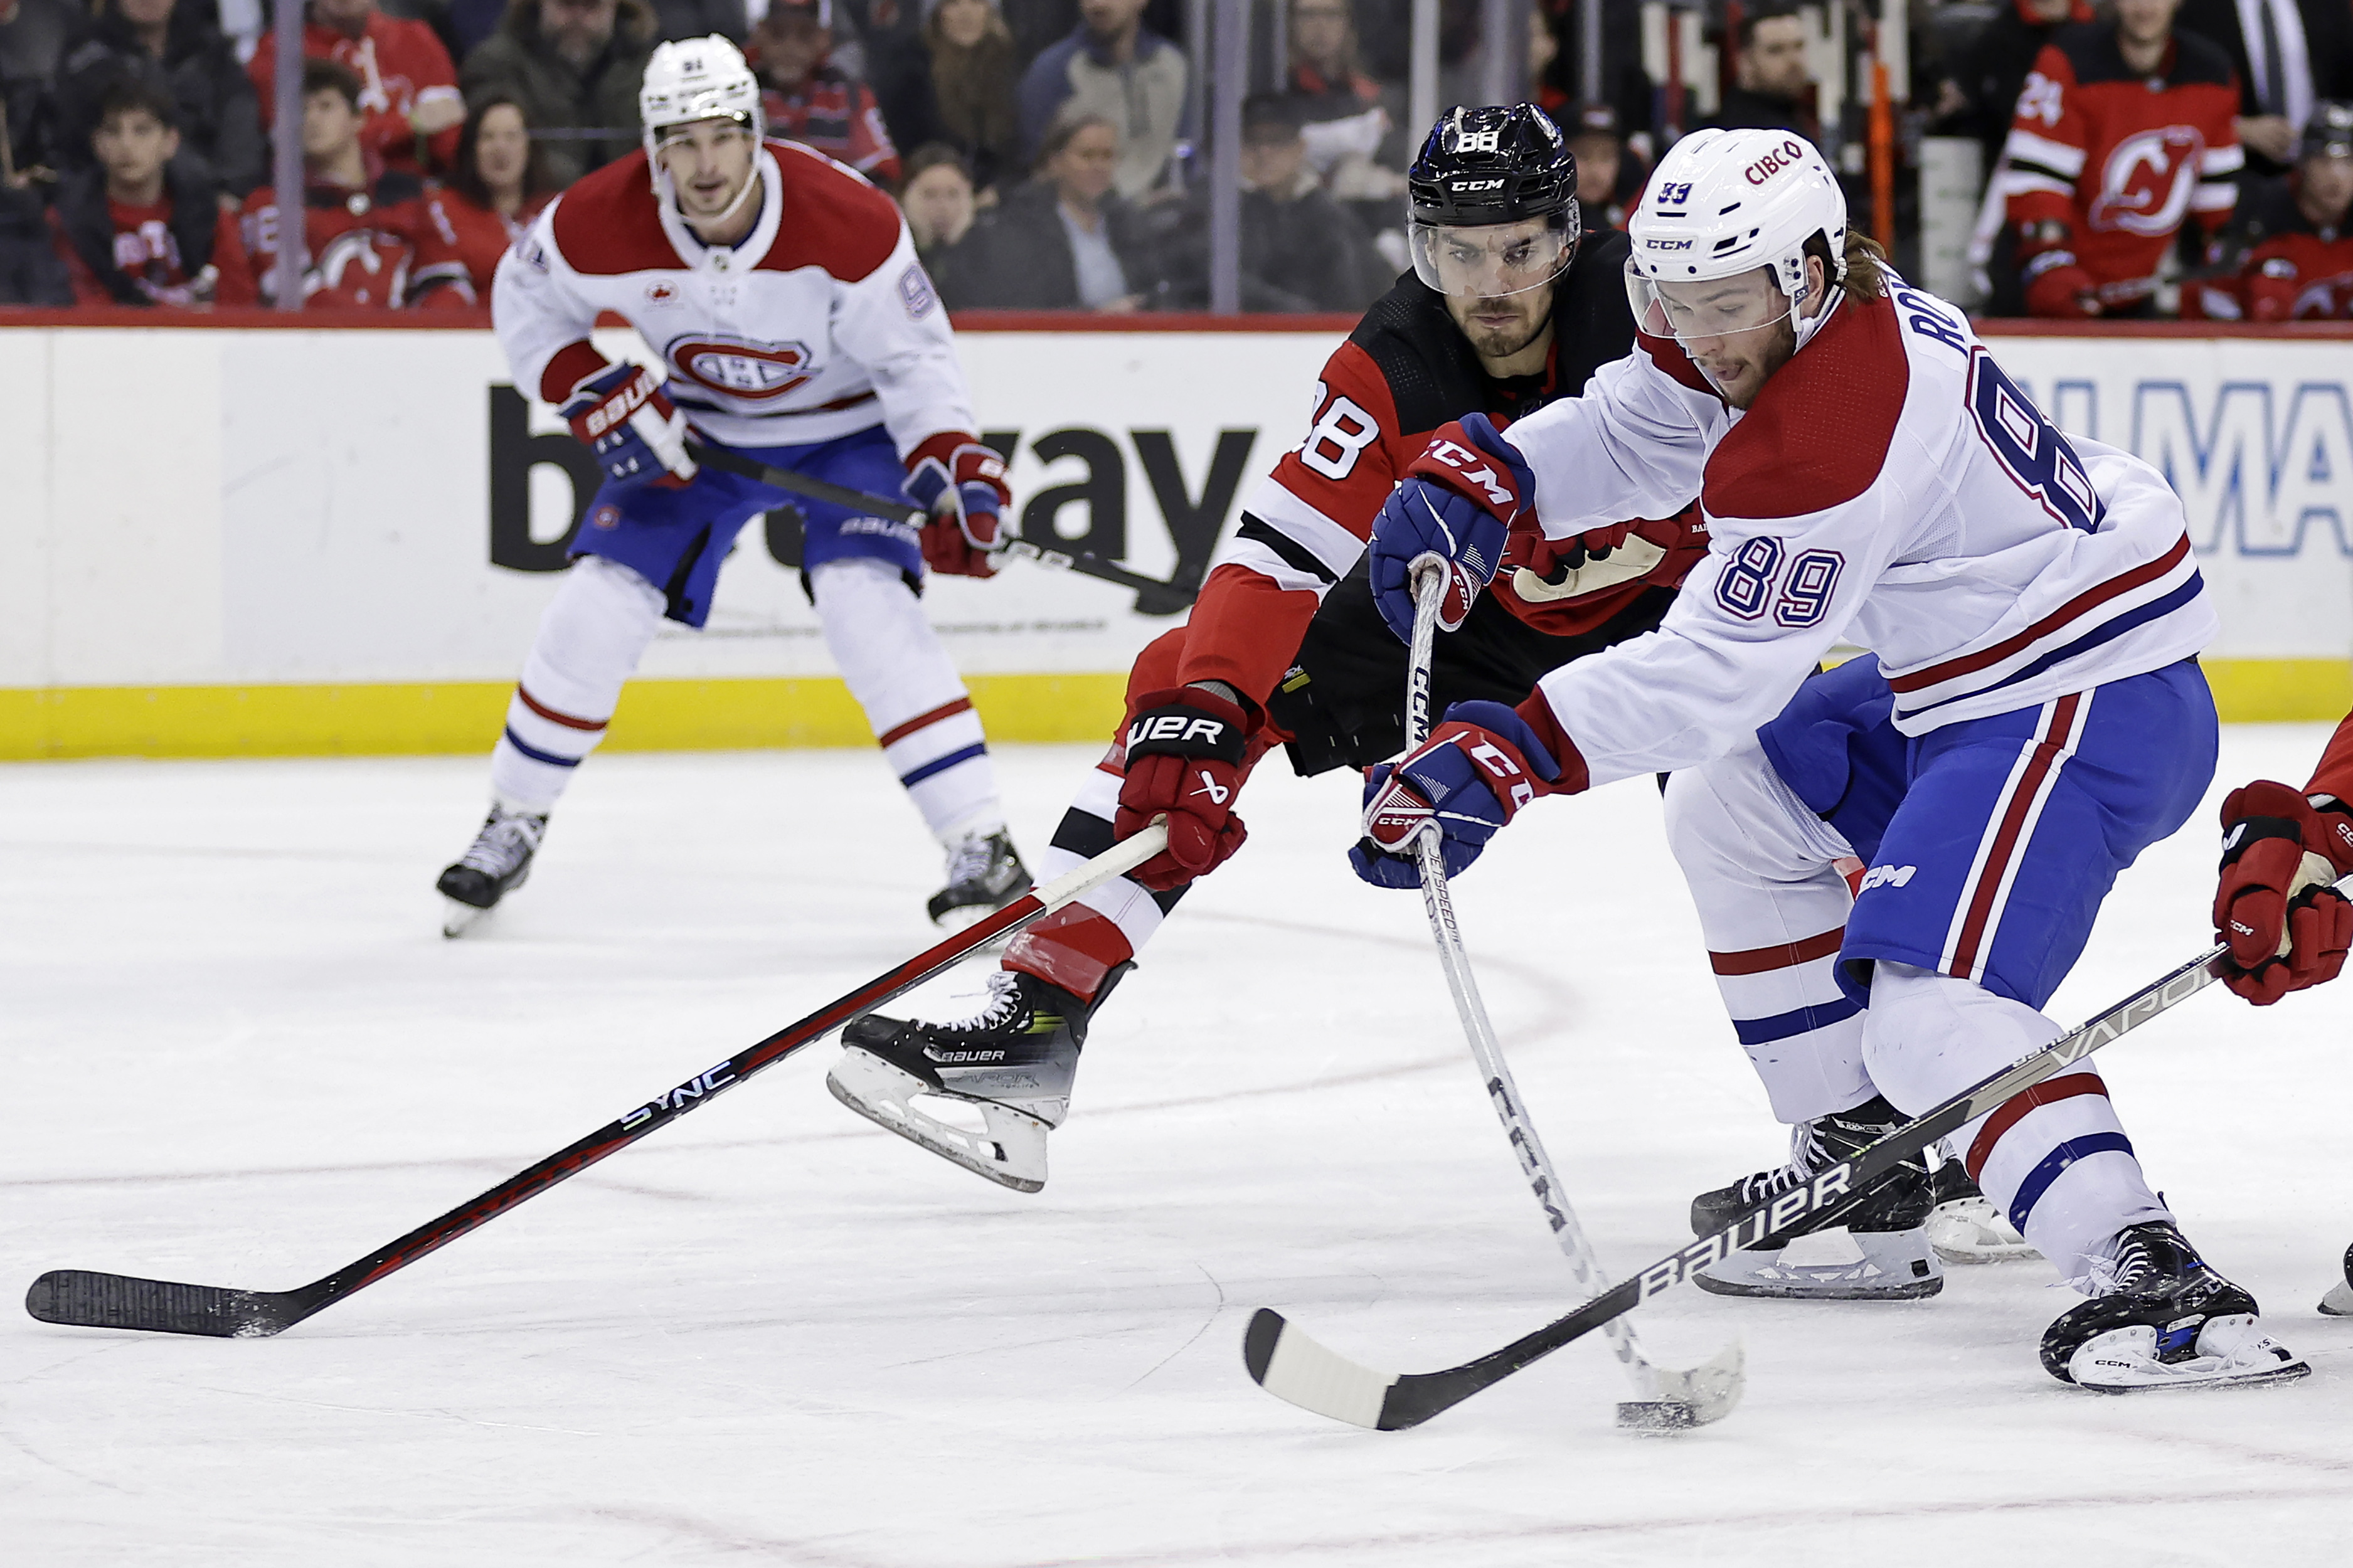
(1873, 1247)
(984, 874)
(1013, 1062)
(498, 862)
(1967, 1227)
(2165, 1320)
(2339, 1302)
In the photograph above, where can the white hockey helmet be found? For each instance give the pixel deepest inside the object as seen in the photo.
(1724, 203)
(697, 78)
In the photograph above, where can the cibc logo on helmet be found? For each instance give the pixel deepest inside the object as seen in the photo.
(1786, 156)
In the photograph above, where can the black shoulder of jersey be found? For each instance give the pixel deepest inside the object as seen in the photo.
(2091, 50)
(394, 187)
(2198, 59)
(1432, 375)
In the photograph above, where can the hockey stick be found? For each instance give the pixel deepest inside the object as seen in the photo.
(86, 1300)
(1153, 597)
(1667, 1398)
(1286, 1362)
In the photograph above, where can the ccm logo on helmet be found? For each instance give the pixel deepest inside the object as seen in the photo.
(737, 367)
(1478, 184)
(1786, 156)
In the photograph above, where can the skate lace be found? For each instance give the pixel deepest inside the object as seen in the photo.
(505, 841)
(970, 859)
(1805, 1156)
(1003, 1004)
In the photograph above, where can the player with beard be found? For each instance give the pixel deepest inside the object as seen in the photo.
(1505, 312)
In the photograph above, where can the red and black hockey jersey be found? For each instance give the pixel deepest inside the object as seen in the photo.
(477, 236)
(400, 64)
(2118, 161)
(1403, 373)
(835, 114)
(181, 250)
(372, 248)
(2303, 275)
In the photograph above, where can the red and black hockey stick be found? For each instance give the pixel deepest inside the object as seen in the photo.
(87, 1300)
(1153, 597)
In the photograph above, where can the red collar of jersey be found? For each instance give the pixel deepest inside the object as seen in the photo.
(2077, 11)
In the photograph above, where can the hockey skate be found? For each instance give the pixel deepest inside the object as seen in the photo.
(1871, 1249)
(2339, 1302)
(984, 874)
(2164, 1319)
(1012, 1063)
(498, 862)
(1967, 1227)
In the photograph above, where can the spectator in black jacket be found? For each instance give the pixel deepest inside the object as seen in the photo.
(30, 271)
(174, 46)
(1301, 252)
(1773, 90)
(974, 74)
(33, 38)
(2315, 64)
(1063, 242)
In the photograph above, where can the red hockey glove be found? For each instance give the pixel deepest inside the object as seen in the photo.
(1543, 570)
(2285, 927)
(624, 418)
(1184, 752)
(2056, 283)
(962, 484)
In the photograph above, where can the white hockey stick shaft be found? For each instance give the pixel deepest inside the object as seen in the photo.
(1429, 588)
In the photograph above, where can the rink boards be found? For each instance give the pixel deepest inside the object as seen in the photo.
(252, 540)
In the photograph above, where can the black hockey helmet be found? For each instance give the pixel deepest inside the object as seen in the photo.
(1484, 168)
(2329, 133)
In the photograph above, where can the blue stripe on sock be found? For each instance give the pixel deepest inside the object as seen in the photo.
(537, 755)
(941, 764)
(2037, 1181)
(1781, 1025)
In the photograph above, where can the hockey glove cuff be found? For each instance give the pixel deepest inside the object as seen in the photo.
(1469, 778)
(1456, 506)
(638, 437)
(2286, 928)
(962, 484)
(1187, 753)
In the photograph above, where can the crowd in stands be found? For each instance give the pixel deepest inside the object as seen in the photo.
(2143, 158)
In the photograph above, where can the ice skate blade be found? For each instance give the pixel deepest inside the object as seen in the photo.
(1834, 1265)
(458, 919)
(1012, 1154)
(2231, 1352)
(1972, 1230)
(2339, 1302)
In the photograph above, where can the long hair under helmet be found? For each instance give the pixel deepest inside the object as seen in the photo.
(1724, 203)
(692, 79)
(1481, 169)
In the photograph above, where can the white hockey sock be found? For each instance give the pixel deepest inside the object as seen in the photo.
(2055, 1158)
(1762, 869)
(893, 664)
(590, 638)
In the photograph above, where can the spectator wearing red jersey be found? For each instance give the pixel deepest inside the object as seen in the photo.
(366, 233)
(2124, 133)
(498, 186)
(812, 101)
(973, 75)
(572, 65)
(143, 227)
(2303, 273)
(408, 88)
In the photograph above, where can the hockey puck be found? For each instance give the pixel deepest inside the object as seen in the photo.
(1658, 1416)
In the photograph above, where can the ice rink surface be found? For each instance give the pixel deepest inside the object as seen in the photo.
(237, 1051)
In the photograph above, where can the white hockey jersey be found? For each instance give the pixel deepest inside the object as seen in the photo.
(819, 324)
(1891, 486)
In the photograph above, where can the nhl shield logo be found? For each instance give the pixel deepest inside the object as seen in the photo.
(740, 368)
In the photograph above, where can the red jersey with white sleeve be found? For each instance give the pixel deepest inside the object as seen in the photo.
(837, 114)
(400, 64)
(1404, 372)
(819, 324)
(2105, 164)
(1890, 487)
(2334, 776)
(364, 249)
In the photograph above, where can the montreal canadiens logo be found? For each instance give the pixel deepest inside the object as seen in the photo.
(740, 368)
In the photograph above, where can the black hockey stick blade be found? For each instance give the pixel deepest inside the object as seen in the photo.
(82, 1299)
(1153, 597)
(1286, 1362)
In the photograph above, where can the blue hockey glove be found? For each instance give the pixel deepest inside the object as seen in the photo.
(1471, 777)
(623, 416)
(1457, 506)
